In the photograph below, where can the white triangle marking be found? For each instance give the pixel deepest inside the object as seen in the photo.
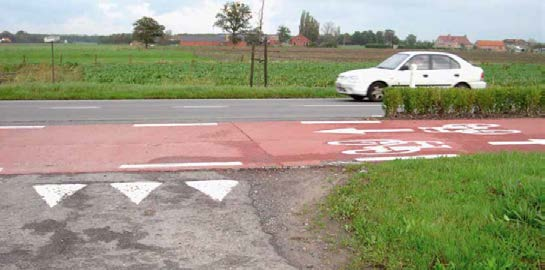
(136, 191)
(215, 189)
(54, 194)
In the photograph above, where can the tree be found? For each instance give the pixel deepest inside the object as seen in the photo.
(309, 27)
(379, 37)
(369, 37)
(284, 34)
(146, 30)
(234, 18)
(410, 40)
(254, 36)
(330, 35)
(390, 37)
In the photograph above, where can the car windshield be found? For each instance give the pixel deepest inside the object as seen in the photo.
(394, 61)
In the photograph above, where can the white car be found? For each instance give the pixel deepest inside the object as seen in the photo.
(433, 69)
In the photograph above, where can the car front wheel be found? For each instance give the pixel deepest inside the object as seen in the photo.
(376, 91)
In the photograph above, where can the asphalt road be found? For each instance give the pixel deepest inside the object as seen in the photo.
(164, 111)
(190, 220)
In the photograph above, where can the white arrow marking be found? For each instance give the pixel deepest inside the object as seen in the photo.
(376, 159)
(215, 189)
(529, 142)
(363, 131)
(136, 191)
(338, 122)
(54, 194)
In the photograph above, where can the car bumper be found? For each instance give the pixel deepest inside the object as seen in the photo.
(477, 85)
(350, 89)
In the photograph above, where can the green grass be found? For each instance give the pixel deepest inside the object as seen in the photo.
(79, 90)
(474, 212)
(15, 54)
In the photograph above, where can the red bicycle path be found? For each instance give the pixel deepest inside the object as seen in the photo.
(107, 148)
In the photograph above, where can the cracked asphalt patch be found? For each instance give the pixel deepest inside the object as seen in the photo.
(174, 227)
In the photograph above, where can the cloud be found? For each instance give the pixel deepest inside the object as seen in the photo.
(483, 19)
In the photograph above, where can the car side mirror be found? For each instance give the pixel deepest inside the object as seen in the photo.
(404, 68)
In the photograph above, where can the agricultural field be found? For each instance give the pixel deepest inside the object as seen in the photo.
(82, 64)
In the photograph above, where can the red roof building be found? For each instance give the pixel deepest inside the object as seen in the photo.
(453, 42)
(300, 41)
(491, 45)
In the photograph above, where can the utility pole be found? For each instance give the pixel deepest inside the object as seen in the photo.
(52, 39)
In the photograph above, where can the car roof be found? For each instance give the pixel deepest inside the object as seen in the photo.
(427, 52)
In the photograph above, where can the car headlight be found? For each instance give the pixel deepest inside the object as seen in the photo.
(349, 79)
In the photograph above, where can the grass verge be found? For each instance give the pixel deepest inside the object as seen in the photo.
(77, 90)
(474, 212)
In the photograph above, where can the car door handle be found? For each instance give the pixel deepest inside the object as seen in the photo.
(425, 75)
(456, 75)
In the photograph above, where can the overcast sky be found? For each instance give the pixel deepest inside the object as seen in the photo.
(479, 19)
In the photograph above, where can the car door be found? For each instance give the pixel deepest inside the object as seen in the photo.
(445, 71)
(421, 74)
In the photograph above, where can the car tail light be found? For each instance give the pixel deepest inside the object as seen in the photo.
(482, 76)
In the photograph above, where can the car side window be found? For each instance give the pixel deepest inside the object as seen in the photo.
(439, 62)
(422, 62)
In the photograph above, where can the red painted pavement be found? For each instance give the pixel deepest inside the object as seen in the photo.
(104, 148)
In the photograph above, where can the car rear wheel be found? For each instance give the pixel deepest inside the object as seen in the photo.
(462, 85)
(357, 98)
(376, 91)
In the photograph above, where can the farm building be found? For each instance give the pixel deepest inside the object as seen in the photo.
(299, 41)
(490, 45)
(208, 40)
(452, 42)
(516, 45)
(273, 40)
(5, 40)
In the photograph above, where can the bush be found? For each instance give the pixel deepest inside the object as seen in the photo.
(528, 101)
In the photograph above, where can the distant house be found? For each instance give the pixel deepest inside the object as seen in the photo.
(136, 43)
(516, 45)
(208, 40)
(5, 40)
(490, 45)
(299, 41)
(273, 40)
(452, 42)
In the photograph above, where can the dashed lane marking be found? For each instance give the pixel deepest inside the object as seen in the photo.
(338, 122)
(215, 189)
(177, 125)
(72, 108)
(136, 191)
(199, 107)
(1, 169)
(529, 142)
(378, 159)
(22, 127)
(179, 165)
(54, 194)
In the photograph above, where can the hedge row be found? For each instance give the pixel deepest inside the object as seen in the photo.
(456, 102)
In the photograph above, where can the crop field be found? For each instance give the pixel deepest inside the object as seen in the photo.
(225, 66)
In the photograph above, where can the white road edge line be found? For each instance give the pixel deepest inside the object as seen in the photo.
(338, 122)
(529, 142)
(177, 125)
(320, 105)
(199, 107)
(377, 116)
(179, 165)
(73, 108)
(22, 127)
(371, 159)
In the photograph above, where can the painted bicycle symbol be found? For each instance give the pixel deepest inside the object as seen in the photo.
(472, 129)
(388, 146)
